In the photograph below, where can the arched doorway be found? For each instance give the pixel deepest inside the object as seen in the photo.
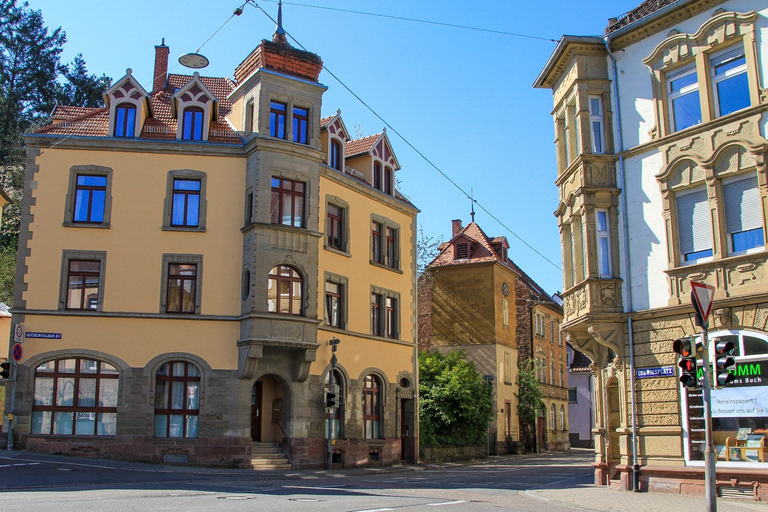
(267, 411)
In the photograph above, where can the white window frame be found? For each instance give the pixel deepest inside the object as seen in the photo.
(596, 125)
(707, 232)
(754, 214)
(688, 89)
(603, 231)
(505, 312)
(719, 58)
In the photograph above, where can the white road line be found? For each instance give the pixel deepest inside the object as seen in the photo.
(376, 510)
(447, 503)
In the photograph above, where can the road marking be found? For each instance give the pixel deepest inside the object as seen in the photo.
(16, 465)
(447, 503)
(376, 510)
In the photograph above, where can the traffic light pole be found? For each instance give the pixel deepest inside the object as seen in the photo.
(710, 487)
(9, 444)
(334, 343)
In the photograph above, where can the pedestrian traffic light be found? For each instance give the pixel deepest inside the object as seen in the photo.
(6, 370)
(684, 347)
(724, 362)
(330, 399)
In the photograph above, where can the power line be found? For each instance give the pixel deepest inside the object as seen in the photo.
(422, 155)
(414, 20)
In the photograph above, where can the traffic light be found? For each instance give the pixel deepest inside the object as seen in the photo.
(6, 370)
(724, 362)
(330, 399)
(685, 348)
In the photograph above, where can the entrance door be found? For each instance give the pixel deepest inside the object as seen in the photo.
(407, 443)
(256, 412)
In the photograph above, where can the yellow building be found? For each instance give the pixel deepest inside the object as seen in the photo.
(186, 255)
(474, 298)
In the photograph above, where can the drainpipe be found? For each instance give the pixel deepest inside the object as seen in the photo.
(627, 267)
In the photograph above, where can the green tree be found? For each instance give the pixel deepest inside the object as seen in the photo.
(29, 67)
(529, 401)
(427, 248)
(455, 403)
(80, 88)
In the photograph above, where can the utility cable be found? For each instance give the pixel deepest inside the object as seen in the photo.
(422, 155)
(414, 20)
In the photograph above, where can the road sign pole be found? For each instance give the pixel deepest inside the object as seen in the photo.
(710, 483)
(702, 296)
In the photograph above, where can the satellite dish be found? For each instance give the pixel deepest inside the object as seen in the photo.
(193, 60)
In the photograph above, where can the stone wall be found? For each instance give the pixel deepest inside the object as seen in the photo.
(431, 454)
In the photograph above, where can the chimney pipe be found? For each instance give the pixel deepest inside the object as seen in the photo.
(456, 227)
(161, 67)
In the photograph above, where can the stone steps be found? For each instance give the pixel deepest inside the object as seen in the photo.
(268, 456)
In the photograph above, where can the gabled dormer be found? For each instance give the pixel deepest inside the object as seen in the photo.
(374, 158)
(128, 107)
(194, 106)
(500, 247)
(333, 140)
(462, 247)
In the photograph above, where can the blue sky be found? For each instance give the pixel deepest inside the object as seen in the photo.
(462, 97)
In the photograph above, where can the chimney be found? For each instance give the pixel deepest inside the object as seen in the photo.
(456, 225)
(161, 67)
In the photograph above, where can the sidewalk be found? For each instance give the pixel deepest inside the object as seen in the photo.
(612, 499)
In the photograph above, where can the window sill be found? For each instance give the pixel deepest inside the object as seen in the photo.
(708, 262)
(340, 252)
(385, 267)
(97, 225)
(191, 229)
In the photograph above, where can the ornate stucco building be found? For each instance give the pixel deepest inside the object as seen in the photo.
(474, 298)
(660, 134)
(186, 255)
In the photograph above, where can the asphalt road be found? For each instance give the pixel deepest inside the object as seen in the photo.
(549, 482)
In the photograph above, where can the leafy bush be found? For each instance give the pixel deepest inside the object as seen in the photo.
(455, 403)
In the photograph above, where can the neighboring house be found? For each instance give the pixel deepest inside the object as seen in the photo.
(539, 316)
(187, 253)
(661, 156)
(580, 387)
(470, 299)
(5, 333)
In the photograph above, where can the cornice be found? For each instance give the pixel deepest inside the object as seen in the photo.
(48, 142)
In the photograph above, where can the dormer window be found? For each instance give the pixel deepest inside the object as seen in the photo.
(195, 108)
(377, 176)
(337, 157)
(192, 127)
(125, 120)
(389, 179)
(462, 251)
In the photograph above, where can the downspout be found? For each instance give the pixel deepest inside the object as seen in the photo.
(627, 268)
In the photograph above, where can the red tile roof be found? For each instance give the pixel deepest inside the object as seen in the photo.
(324, 121)
(161, 125)
(580, 363)
(360, 146)
(482, 252)
(280, 57)
(641, 11)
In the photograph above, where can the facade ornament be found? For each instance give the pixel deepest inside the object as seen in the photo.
(723, 318)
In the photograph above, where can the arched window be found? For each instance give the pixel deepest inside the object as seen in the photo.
(177, 400)
(284, 290)
(337, 159)
(125, 120)
(338, 411)
(377, 175)
(192, 126)
(552, 417)
(389, 180)
(372, 407)
(75, 396)
(562, 417)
